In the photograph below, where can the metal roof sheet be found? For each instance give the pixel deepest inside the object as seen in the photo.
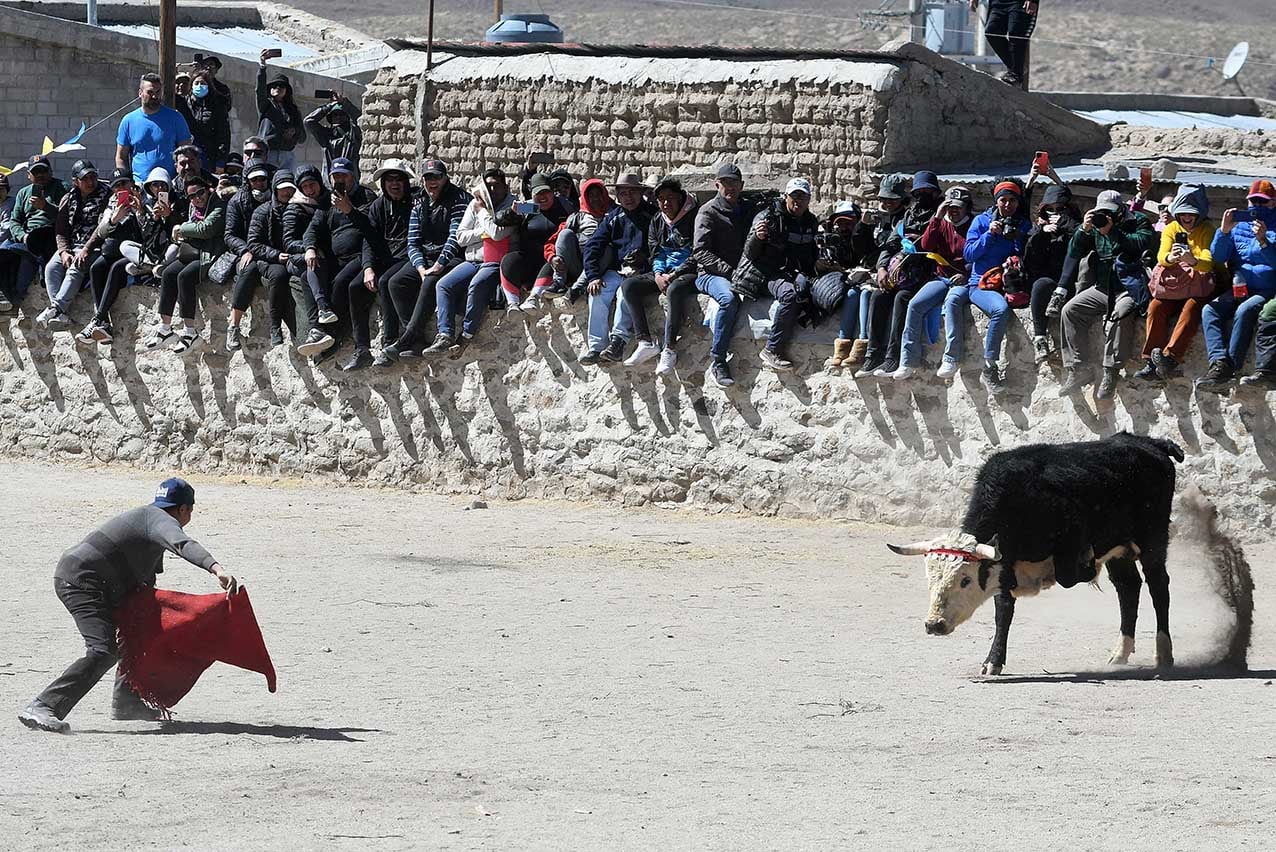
(1174, 119)
(240, 42)
(1094, 173)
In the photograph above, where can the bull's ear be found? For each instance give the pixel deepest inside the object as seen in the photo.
(917, 548)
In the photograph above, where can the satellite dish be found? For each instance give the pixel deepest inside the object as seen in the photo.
(1235, 60)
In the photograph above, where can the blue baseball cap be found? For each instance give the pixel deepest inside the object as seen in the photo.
(174, 492)
(341, 166)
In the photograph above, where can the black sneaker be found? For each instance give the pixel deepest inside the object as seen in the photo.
(1165, 365)
(1262, 380)
(456, 349)
(1055, 306)
(574, 293)
(614, 352)
(721, 374)
(871, 366)
(992, 379)
(440, 346)
(361, 359)
(317, 342)
(1148, 373)
(324, 355)
(384, 360)
(1107, 384)
(588, 357)
(1218, 377)
(276, 337)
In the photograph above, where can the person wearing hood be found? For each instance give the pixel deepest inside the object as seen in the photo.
(1116, 240)
(525, 265)
(1046, 263)
(207, 114)
(270, 257)
(385, 253)
(847, 248)
(335, 127)
(471, 286)
(1181, 284)
(432, 252)
(944, 243)
(199, 241)
(617, 250)
(334, 251)
(779, 259)
(673, 272)
(1247, 240)
(279, 122)
(239, 214)
(996, 235)
(311, 196)
(563, 250)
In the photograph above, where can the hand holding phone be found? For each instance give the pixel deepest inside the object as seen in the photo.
(524, 208)
(1042, 162)
(541, 158)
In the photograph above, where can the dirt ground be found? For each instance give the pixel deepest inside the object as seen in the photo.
(554, 676)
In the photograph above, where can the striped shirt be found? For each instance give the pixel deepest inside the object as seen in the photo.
(432, 226)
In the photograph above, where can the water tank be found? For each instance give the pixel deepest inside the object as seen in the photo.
(524, 29)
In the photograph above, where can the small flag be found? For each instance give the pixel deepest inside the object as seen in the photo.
(48, 146)
(5, 170)
(76, 137)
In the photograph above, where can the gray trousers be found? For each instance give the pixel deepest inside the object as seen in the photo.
(1118, 335)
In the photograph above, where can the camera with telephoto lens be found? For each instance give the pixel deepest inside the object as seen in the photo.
(829, 244)
(1007, 224)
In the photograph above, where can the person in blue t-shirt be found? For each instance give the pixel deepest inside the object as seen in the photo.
(148, 135)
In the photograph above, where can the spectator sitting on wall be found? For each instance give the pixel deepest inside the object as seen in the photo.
(1164, 217)
(525, 267)
(722, 226)
(432, 252)
(779, 258)
(199, 242)
(159, 216)
(334, 249)
(1264, 376)
(471, 286)
(269, 252)
(311, 196)
(120, 224)
(231, 180)
(10, 259)
(673, 272)
(847, 249)
(29, 239)
(1118, 240)
(1008, 29)
(560, 180)
(1247, 240)
(1045, 259)
(207, 115)
(615, 251)
(150, 134)
(996, 235)
(1180, 286)
(335, 127)
(239, 215)
(189, 164)
(75, 233)
(385, 253)
(279, 121)
(563, 250)
(887, 231)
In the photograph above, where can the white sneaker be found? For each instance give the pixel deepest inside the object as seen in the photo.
(132, 268)
(667, 359)
(645, 352)
(328, 317)
(904, 372)
(45, 315)
(947, 370)
(530, 305)
(5, 304)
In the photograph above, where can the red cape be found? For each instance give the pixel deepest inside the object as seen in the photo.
(167, 640)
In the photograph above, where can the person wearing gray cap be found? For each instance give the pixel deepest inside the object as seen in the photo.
(1115, 241)
(75, 232)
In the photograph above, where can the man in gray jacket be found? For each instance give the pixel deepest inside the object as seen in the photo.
(95, 576)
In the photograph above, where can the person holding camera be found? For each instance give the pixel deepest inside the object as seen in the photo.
(846, 248)
(1115, 242)
(199, 243)
(334, 125)
(1046, 263)
(535, 222)
(119, 225)
(1247, 240)
(1181, 284)
(616, 251)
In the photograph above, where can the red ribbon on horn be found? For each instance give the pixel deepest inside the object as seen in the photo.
(964, 555)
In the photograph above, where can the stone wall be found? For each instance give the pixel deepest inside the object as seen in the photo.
(518, 416)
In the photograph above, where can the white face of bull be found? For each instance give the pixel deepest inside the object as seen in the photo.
(953, 579)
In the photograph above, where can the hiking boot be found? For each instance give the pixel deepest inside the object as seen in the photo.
(947, 370)
(276, 337)
(721, 374)
(160, 338)
(992, 379)
(360, 360)
(232, 338)
(328, 317)
(588, 357)
(668, 358)
(1107, 384)
(1148, 373)
(775, 360)
(888, 367)
(1073, 381)
(645, 352)
(442, 343)
(1055, 306)
(456, 349)
(1217, 377)
(1166, 366)
(531, 305)
(1041, 349)
(1262, 380)
(316, 342)
(40, 718)
(615, 349)
(841, 352)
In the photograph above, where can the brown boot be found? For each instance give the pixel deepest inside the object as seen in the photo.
(841, 350)
(858, 350)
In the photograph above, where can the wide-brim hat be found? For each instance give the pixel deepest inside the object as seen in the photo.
(394, 165)
(629, 179)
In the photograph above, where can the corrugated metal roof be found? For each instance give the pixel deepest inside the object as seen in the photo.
(1172, 119)
(1094, 173)
(240, 42)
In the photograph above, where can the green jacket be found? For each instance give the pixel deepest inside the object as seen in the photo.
(1131, 238)
(206, 234)
(27, 218)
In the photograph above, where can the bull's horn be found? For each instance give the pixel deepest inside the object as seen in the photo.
(987, 551)
(917, 548)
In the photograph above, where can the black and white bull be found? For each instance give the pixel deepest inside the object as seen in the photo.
(1058, 513)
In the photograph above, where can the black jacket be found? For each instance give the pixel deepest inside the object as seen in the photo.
(209, 120)
(266, 231)
(432, 226)
(387, 241)
(239, 214)
(339, 235)
(788, 251)
(625, 231)
(720, 232)
(674, 238)
(335, 144)
(280, 127)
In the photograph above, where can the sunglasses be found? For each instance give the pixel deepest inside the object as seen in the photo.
(199, 193)
(249, 153)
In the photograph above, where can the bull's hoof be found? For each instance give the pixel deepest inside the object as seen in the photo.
(1164, 651)
(987, 668)
(1121, 653)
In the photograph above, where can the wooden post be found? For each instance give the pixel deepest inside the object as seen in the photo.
(500, 9)
(429, 39)
(168, 49)
(916, 22)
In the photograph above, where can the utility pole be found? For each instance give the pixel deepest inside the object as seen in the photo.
(916, 22)
(91, 16)
(168, 49)
(429, 39)
(500, 9)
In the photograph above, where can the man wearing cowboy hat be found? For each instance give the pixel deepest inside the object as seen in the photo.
(624, 230)
(385, 252)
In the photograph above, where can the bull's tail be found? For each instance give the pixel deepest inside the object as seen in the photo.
(1228, 571)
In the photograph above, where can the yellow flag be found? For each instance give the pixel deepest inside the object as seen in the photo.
(5, 170)
(48, 145)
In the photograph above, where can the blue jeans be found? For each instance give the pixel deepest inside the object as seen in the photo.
(600, 313)
(1229, 327)
(930, 297)
(855, 315)
(719, 289)
(470, 286)
(992, 303)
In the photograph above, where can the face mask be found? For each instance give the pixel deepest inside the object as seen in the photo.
(199, 90)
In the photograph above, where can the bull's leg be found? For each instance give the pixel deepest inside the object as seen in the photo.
(1125, 578)
(1158, 579)
(1005, 613)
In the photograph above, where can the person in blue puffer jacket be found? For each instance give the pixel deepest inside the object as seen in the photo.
(1246, 240)
(996, 235)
